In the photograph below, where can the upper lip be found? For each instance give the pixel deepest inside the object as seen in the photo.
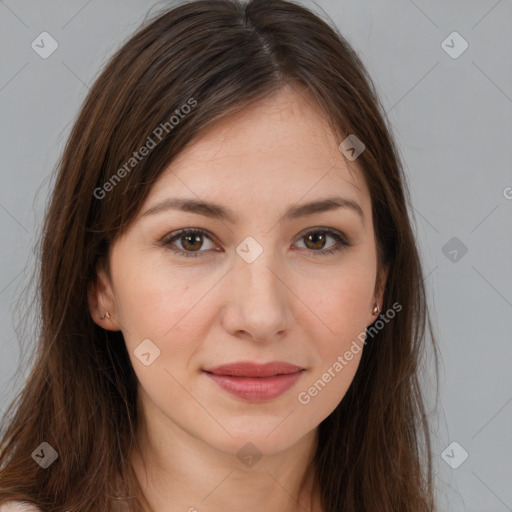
(250, 369)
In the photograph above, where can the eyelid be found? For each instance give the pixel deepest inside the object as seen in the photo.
(330, 231)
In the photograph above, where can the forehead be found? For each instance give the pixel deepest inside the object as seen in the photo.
(280, 149)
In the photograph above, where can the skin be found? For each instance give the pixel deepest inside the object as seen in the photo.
(291, 304)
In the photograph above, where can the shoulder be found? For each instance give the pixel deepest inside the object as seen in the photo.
(18, 506)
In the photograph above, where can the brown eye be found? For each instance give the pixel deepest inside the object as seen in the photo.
(316, 240)
(191, 242)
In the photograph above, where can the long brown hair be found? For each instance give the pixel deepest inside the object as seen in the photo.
(217, 56)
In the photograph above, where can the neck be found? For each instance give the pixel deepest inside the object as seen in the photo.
(179, 472)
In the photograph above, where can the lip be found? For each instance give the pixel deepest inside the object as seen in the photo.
(250, 369)
(255, 382)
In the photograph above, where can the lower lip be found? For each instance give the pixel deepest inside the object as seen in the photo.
(256, 389)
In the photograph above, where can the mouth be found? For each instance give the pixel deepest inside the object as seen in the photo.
(250, 369)
(256, 382)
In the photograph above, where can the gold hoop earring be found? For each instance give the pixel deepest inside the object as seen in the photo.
(107, 314)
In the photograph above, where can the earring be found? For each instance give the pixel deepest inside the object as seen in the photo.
(107, 314)
(376, 309)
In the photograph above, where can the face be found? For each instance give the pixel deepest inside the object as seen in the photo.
(259, 278)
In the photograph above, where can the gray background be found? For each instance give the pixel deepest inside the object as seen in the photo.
(452, 118)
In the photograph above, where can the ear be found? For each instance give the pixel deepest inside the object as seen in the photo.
(101, 300)
(380, 286)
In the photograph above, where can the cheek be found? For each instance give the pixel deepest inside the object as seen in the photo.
(153, 302)
(165, 309)
(337, 354)
(343, 302)
(344, 311)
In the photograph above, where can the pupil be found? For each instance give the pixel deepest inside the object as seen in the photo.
(319, 237)
(193, 239)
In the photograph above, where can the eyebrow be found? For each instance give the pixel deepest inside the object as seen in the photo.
(216, 211)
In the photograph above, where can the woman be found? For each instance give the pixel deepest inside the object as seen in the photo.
(233, 309)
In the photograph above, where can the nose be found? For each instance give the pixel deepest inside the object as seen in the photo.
(259, 301)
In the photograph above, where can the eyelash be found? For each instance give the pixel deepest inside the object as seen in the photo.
(167, 242)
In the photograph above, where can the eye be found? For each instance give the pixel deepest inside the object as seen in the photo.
(192, 240)
(316, 240)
